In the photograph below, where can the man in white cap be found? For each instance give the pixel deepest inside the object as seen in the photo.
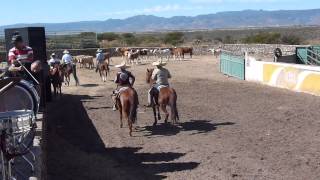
(161, 77)
(123, 79)
(54, 60)
(99, 58)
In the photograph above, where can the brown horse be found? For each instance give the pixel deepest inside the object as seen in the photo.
(67, 70)
(166, 97)
(56, 77)
(103, 69)
(127, 104)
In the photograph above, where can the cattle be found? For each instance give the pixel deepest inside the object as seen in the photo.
(163, 53)
(122, 52)
(187, 50)
(177, 53)
(86, 60)
(133, 55)
(144, 53)
(107, 57)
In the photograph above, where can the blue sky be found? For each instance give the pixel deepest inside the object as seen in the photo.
(35, 11)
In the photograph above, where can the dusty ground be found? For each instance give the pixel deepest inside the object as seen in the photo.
(229, 129)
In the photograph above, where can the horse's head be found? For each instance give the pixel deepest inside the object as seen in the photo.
(148, 75)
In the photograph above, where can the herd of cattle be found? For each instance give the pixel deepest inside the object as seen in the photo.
(137, 55)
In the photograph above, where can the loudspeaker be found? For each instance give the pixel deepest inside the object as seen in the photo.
(34, 37)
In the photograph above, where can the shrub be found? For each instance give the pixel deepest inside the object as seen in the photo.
(109, 36)
(291, 40)
(174, 38)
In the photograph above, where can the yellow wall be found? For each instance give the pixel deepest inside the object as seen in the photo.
(311, 84)
(286, 76)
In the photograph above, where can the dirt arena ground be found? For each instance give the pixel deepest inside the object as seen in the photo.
(229, 129)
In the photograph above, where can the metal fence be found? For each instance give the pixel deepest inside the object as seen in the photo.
(232, 65)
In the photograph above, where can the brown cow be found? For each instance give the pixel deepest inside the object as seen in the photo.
(187, 50)
(178, 53)
(122, 52)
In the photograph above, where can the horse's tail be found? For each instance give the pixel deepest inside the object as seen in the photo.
(133, 107)
(173, 106)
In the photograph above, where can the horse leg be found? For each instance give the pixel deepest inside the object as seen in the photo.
(159, 115)
(164, 109)
(130, 126)
(60, 89)
(121, 115)
(106, 74)
(54, 90)
(154, 115)
(101, 75)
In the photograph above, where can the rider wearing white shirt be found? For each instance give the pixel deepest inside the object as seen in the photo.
(67, 58)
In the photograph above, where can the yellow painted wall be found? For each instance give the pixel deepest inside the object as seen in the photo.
(288, 78)
(311, 84)
(268, 70)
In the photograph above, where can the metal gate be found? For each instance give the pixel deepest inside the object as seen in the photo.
(309, 55)
(232, 65)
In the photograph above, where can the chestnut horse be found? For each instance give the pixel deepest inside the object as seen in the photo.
(67, 70)
(103, 69)
(56, 77)
(127, 104)
(167, 96)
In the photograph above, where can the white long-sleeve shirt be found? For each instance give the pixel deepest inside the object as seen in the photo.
(67, 59)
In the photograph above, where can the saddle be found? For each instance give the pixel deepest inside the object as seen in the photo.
(161, 86)
(117, 93)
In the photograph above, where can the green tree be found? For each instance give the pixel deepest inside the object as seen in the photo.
(174, 38)
(199, 37)
(130, 39)
(108, 36)
(263, 38)
(228, 40)
(291, 40)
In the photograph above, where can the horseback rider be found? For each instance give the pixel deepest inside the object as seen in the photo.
(54, 60)
(161, 77)
(99, 58)
(67, 59)
(123, 79)
(19, 55)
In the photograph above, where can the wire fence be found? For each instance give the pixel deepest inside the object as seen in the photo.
(71, 40)
(64, 40)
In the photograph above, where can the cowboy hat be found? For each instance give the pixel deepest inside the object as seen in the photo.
(122, 65)
(66, 52)
(99, 50)
(159, 63)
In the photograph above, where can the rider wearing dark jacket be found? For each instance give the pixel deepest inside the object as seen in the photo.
(123, 79)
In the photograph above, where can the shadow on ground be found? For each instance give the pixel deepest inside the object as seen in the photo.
(89, 85)
(194, 126)
(74, 149)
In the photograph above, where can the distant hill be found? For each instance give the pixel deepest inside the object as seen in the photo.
(232, 19)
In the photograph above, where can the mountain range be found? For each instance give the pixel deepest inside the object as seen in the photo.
(231, 19)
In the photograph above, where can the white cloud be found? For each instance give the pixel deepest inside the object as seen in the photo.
(154, 9)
